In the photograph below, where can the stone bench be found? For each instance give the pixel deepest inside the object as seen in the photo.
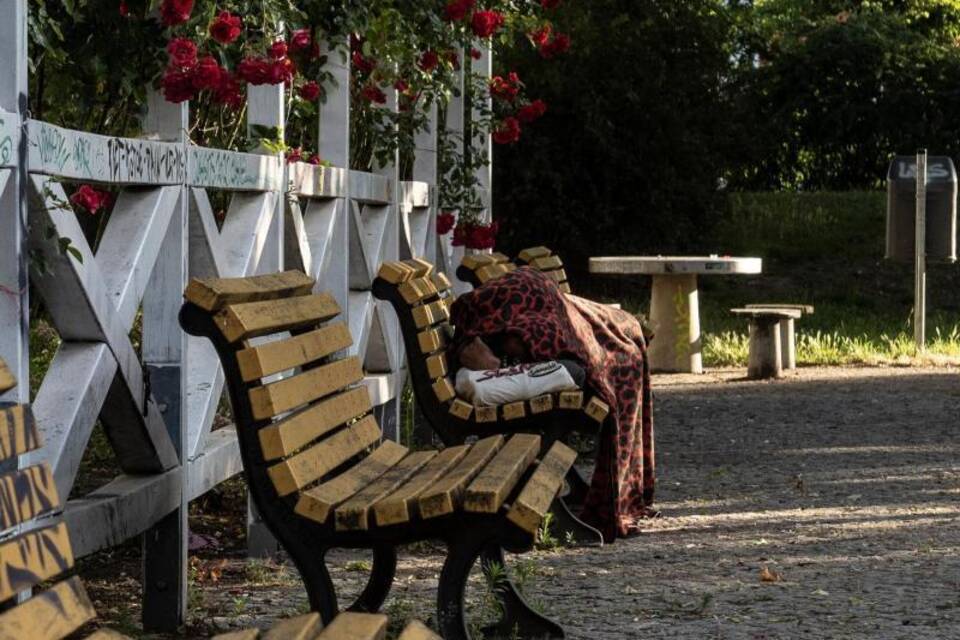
(788, 341)
(766, 357)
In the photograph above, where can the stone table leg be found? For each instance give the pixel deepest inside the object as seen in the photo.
(675, 315)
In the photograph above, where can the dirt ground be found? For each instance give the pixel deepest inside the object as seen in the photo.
(823, 505)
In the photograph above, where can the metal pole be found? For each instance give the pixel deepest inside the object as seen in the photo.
(920, 255)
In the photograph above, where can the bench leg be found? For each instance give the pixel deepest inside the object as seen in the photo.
(788, 343)
(316, 580)
(381, 579)
(518, 620)
(572, 528)
(765, 359)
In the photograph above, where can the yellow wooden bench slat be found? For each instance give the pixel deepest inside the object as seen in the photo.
(356, 626)
(243, 634)
(432, 340)
(416, 630)
(211, 294)
(597, 409)
(422, 268)
(490, 488)
(531, 505)
(26, 494)
(417, 291)
(274, 357)
(401, 505)
(285, 436)
(18, 431)
(571, 399)
(445, 495)
(428, 314)
(312, 464)
(275, 398)
(565, 287)
(476, 260)
(532, 253)
(29, 559)
(490, 272)
(395, 272)
(541, 404)
(353, 514)
(50, 615)
(486, 414)
(514, 410)
(317, 502)
(107, 634)
(461, 409)
(7, 379)
(251, 319)
(303, 627)
(557, 275)
(546, 263)
(437, 365)
(444, 390)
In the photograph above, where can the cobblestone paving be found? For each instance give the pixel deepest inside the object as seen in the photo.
(825, 505)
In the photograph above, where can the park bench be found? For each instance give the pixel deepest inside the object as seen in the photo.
(479, 268)
(421, 298)
(765, 359)
(320, 476)
(41, 550)
(788, 340)
(346, 626)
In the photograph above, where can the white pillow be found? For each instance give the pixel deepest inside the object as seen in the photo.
(522, 382)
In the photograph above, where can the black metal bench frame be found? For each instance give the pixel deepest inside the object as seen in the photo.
(468, 536)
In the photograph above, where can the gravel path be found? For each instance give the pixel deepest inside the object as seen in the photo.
(824, 505)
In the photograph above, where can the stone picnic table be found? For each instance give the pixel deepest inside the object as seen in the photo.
(674, 302)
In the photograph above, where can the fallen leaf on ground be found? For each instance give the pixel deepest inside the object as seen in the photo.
(768, 575)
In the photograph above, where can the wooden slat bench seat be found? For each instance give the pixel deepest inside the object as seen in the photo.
(316, 466)
(346, 626)
(553, 417)
(788, 339)
(43, 552)
(766, 356)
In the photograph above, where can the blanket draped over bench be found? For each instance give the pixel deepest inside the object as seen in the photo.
(610, 345)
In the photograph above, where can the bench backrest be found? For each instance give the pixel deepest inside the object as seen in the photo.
(44, 551)
(303, 419)
(478, 269)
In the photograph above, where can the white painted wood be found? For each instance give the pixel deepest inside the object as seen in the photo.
(65, 153)
(371, 188)
(206, 257)
(14, 288)
(334, 117)
(245, 231)
(218, 169)
(425, 147)
(483, 144)
(315, 181)
(219, 460)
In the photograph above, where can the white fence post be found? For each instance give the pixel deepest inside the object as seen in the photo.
(448, 255)
(265, 108)
(484, 66)
(164, 351)
(14, 305)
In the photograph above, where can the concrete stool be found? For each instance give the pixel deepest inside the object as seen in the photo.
(788, 341)
(766, 360)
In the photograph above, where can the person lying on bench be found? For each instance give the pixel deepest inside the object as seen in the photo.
(523, 317)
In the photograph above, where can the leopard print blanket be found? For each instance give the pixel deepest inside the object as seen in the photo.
(609, 343)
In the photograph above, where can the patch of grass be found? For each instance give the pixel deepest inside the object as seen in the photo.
(358, 566)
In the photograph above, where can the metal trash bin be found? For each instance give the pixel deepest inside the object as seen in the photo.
(941, 208)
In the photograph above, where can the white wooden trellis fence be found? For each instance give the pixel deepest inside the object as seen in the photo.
(158, 406)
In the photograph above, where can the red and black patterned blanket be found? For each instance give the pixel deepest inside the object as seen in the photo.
(609, 343)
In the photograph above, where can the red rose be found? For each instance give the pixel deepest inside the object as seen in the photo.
(124, 9)
(294, 155)
(254, 71)
(177, 85)
(460, 235)
(428, 60)
(457, 9)
(550, 4)
(361, 64)
(174, 12)
(300, 40)
(280, 71)
(373, 93)
(508, 131)
(310, 91)
(445, 222)
(278, 50)
(475, 54)
(482, 237)
(315, 160)
(182, 52)
(541, 36)
(559, 44)
(505, 89)
(89, 199)
(401, 86)
(206, 75)
(532, 111)
(486, 23)
(225, 28)
(228, 92)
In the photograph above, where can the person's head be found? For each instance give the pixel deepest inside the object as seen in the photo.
(476, 355)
